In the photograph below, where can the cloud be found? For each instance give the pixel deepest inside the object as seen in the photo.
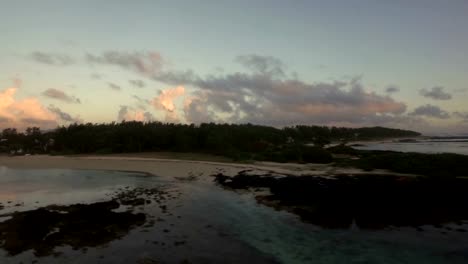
(128, 113)
(141, 100)
(141, 103)
(114, 87)
(430, 111)
(436, 93)
(63, 115)
(196, 111)
(61, 96)
(165, 102)
(265, 65)
(4, 119)
(165, 99)
(24, 113)
(262, 93)
(461, 115)
(267, 99)
(137, 83)
(52, 58)
(392, 89)
(141, 62)
(148, 117)
(122, 112)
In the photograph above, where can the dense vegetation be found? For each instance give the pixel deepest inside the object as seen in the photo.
(240, 142)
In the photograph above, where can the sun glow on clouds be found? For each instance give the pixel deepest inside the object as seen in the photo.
(166, 98)
(165, 102)
(135, 116)
(23, 113)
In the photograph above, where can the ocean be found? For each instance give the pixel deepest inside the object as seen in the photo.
(458, 145)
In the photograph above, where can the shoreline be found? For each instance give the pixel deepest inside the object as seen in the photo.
(174, 168)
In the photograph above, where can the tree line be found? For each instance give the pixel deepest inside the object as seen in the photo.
(238, 141)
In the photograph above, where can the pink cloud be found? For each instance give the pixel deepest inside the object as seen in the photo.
(23, 113)
(165, 102)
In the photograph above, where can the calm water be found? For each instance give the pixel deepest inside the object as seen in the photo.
(451, 145)
(217, 226)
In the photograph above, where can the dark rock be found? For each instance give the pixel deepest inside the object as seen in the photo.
(369, 201)
(133, 202)
(79, 226)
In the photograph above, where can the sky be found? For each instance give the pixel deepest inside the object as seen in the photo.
(401, 64)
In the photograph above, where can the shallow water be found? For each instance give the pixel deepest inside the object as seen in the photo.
(207, 224)
(422, 146)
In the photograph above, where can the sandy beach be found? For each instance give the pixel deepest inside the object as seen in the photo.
(168, 167)
(155, 166)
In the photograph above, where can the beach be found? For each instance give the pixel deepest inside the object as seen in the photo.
(164, 210)
(168, 167)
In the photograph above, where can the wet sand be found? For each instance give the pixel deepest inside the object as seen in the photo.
(170, 168)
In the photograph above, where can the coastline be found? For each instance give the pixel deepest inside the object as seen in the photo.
(191, 213)
(170, 168)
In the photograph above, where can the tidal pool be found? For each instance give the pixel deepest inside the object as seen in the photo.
(192, 220)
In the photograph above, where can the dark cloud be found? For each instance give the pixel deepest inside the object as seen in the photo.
(51, 58)
(436, 93)
(430, 111)
(4, 119)
(176, 77)
(141, 100)
(114, 87)
(263, 97)
(122, 112)
(63, 115)
(137, 83)
(141, 103)
(461, 115)
(263, 93)
(128, 113)
(149, 117)
(392, 89)
(196, 111)
(60, 95)
(141, 62)
(265, 65)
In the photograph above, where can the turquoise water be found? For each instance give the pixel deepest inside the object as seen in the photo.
(216, 226)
